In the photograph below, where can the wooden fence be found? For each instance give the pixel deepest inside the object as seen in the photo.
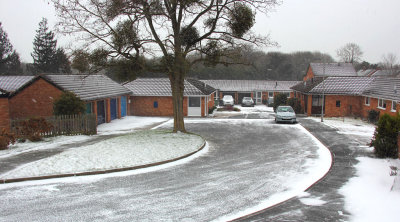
(64, 125)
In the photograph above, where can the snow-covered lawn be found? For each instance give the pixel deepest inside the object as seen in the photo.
(373, 195)
(135, 149)
(124, 125)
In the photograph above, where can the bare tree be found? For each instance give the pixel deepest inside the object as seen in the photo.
(389, 62)
(174, 29)
(351, 53)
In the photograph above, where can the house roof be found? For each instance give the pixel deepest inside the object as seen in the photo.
(385, 73)
(88, 87)
(307, 86)
(384, 88)
(162, 87)
(11, 84)
(342, 85)
(333, 69)
(366, 72)
(250, 85)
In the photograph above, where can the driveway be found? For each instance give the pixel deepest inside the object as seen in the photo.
(248, 165)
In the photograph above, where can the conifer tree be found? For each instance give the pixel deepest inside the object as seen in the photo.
(10, 63)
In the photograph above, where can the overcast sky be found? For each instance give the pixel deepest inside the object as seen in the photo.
(297, 25)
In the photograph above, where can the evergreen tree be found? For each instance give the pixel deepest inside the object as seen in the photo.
(10, 63)
(46, 57)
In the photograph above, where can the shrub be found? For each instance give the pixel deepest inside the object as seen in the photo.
(6, 139)
(279, 99)
(295, 104)
(373, 116)
(236, 109)
(33, 129)
(68, 104)
(385, 136)
(211, 109)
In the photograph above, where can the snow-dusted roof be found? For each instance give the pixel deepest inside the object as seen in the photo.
(333, 69)
(385, 73)
(251, 85)
(162, 87)
(366, 72)
(343, 85)
(307, 86)
(384, 88)
(14, 83)
(88, 87)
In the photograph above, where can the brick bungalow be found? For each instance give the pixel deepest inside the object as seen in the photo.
(260, 90)
(25, 97)
(33, 96)
(153, 97)
(349, 96)
(382, 95)
(104, 97)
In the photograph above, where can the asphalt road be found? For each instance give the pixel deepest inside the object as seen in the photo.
(247, 162)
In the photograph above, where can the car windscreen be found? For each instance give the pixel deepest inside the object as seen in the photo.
(285, 109)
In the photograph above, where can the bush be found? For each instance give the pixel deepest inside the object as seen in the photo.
(33, 128)
(211, 109)
(68, 104)
(295, 104)
(385, 137)
(6, 139)
(280, 99)
(373, 116)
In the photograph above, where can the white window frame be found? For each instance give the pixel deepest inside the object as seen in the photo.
(269, 96)
(394, 104)
(288, 94)
(367, 101)
(383, 105)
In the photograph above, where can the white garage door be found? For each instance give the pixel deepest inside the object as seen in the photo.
(194, 106)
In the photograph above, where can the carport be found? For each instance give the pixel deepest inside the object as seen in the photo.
(243, 94)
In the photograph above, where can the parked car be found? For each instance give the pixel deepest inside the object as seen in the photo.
(247, 101)
(285, 114)
(228, 100)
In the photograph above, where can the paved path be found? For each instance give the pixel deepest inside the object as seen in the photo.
(345, 151)
(248, 161)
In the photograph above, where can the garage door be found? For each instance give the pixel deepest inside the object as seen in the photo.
(123, 106)
(113, 108)
(241, 95)
(101, 117)
(194, 106)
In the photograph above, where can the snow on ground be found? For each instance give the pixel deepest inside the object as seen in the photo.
(369, 195)
(243, 110)
(135, 149)
(372, 195)
(118, 126)
(128, 124)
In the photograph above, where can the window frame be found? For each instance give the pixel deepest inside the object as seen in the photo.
(367, 101)
(395, 106)
(383, 105)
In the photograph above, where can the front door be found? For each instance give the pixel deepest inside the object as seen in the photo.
(258, 97)
(123, 106)
(113, 108)
(194, 106)
(101, 116)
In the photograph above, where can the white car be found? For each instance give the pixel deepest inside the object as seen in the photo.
(228, 100)
(285, 114)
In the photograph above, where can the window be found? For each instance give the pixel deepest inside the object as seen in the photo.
(316, 100)
(381, 104)
(270, 94)
(194, 102)
(337, 103)
(393, 109)
(287, 94)
(155, 104)
(367, 101)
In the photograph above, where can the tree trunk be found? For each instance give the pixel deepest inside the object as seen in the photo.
(177, 78)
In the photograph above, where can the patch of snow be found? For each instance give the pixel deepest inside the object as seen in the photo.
(257, 109)
(123, 151)
(94, 178)
(128, 124)
(312, 201)
(369, 195)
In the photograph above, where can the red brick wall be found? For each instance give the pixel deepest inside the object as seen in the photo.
(349, 106)
(374, 106)
(398, 144)
(4, 114)
(309, 74)
(144, 106)
(210, 102)
(36, 100)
